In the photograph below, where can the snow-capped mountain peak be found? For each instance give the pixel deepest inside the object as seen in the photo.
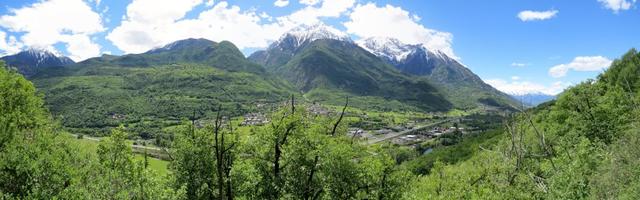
(28, 61)
(396, 51)
(42, 56)
(308, 33)
(390, 48)
(39, 55)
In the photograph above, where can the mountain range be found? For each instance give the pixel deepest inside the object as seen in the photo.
(189, 78)
(325, 65)
(462, 87)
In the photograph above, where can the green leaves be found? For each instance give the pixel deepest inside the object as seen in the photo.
(21, 108)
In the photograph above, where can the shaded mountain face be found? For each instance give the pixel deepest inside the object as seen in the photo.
(463, 86)
(30, 61)
(185, 79)
(223, 55)
(326, 65)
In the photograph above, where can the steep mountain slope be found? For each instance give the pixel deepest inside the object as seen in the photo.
(30, 61)
(185, 79)
(223, 55)
(326, 65)
(584, 145)
(463, 87)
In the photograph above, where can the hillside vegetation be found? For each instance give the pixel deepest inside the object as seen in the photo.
(582, 146)
(297, 156)
(325, 66)
(585, 145)
(186, 79)
(101, 97)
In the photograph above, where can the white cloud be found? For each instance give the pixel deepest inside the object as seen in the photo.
(515, 64)
(281, 3)
(369, 20)
(309, 2)
(312, 14)
(580, 63)
(529, 15)
(9, 44)
(209, 3)
(526, 87)
(44, 25)
(150, 23)
(515, 78)
(81, 47)
(617, 5)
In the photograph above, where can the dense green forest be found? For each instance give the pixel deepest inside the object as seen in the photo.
(584, 145)
(297, 156)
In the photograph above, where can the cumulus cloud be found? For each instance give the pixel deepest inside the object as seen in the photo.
(9, 44)
(580, 63)
(369, 20)
(617, 5)
(150, 23)
(515, 86)
(281, 3)
(309, 2)
(43, 26)
(530, 15)
(312, 14)
(209, 3)
(81, 47)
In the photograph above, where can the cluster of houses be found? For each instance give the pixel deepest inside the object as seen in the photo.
(254, 119)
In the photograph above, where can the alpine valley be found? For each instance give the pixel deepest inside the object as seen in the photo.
(319, 100)
(186, 78)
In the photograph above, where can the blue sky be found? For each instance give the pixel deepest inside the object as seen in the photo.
(517, 46)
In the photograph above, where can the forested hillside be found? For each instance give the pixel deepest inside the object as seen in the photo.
(297, 156)
(584, 145)
(156, 89)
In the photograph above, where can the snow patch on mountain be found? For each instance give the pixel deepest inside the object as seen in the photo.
(41, 55)
(396, 51)
(308, 33)
(389, 48)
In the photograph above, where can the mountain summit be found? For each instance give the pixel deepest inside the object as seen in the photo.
(464, 88)
(395, 52)
(223, 55)
(304, 34)
(291, 42)
(29, 61)
(412, 58)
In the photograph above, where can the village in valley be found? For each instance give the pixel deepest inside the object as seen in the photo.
(412, 131)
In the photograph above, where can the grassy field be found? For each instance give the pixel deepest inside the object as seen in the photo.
(160, 166)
